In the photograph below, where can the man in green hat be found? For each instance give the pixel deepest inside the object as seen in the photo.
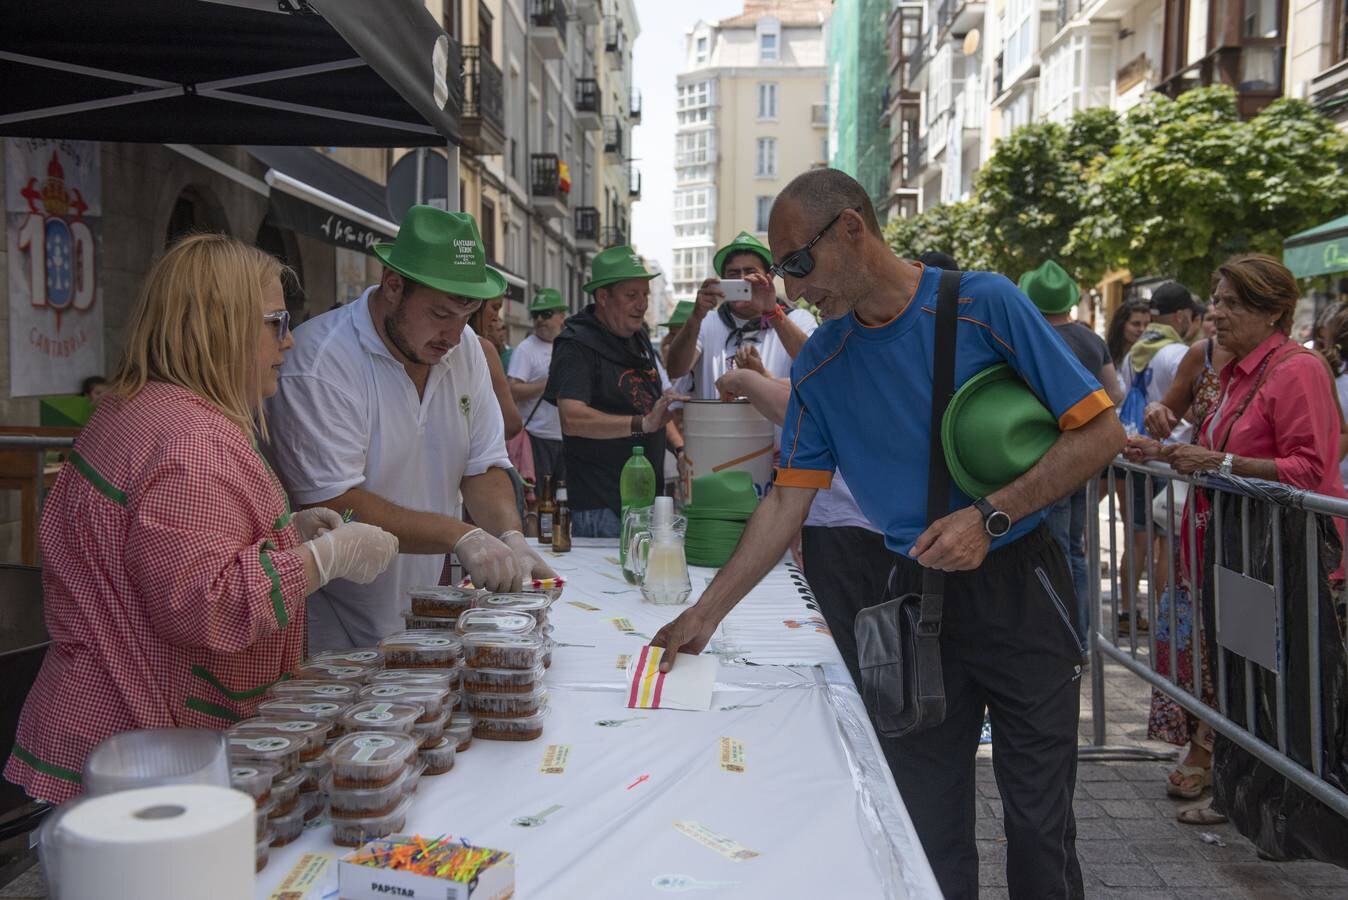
(718, 332)
(384, 410)
(528, 373)
(1055, 292)
(861, 403)
(610, 390)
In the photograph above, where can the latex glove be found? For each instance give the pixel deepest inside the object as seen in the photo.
(313, 522)
(528, 563)
(355, 551)
(489, 562)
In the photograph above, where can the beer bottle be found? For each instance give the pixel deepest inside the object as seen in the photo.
(547, 509)
(561, 524)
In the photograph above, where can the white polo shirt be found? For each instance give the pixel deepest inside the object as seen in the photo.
(346, 415)
(715, 347)
(529, 362)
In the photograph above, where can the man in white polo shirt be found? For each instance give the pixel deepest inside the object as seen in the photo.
(529, 365)
(385, 409)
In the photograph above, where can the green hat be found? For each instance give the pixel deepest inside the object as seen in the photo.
(443, 251)
(994, 430)
(1051, 288)
(682, 311)
(731, 491)
(616, 264)
(744, 242)
(547, 300)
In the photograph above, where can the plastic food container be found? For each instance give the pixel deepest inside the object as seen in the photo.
(286, 828)
(300, 708)
(262, 820)
(427, 649)
(502, 681)
(441, 602)
(524, 728)
(370, 759)
(355, 803)
(314, 689)
(495, 621)
(332, 671)
(413, 779)
(507, 706)
(535, 604)
(314, 771)
(356, 656)
(313, 803)
(548, 644)
(263, 851)
(432, 699)
(427, 733)
(381, 715)
(286, 793)
(414, 622)
(460, 730)
(253, 780)
(276, 749)
(355, 832)
(439, 757)
(313, 732)
(445, 678)
(503, 651)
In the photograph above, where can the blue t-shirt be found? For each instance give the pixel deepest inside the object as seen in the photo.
(861, 397)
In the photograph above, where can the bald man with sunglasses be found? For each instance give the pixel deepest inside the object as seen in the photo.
(861, 403)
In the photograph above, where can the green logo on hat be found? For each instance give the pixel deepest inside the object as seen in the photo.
(744, 242)
(616, 264)
(443, 251)
(547, 300)
(994, 430)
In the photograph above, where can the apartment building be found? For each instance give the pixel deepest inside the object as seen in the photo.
(752, 114)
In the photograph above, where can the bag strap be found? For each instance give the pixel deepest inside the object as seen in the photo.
(938, 474)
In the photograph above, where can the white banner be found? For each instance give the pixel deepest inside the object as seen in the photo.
(53, 214)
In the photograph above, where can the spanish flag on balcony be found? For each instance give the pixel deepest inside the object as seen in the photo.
(564, 177)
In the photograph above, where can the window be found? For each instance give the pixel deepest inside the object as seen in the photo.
(1019, 22)
(690, 265)
(767, 100)
(693, 148)
(767, 47)
(701, 48)
(694, 102)
(764, 210)
(692, 205)
(488, 223)
(767, 158)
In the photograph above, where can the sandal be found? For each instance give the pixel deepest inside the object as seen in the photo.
(1202, 815)
(1194, 790)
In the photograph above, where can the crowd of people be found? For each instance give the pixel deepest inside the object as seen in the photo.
(180, 581)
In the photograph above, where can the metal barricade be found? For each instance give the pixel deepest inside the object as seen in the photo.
(1251, 613)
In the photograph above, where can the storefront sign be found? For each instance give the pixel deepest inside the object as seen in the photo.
(53, 214)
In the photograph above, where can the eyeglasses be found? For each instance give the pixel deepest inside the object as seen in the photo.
(281, 319)
(799, 263)
(544, 315)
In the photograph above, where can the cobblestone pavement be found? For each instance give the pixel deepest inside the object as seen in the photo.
(1128, 840)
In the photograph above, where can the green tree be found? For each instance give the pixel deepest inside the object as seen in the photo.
(1190, 184)
(959, 229)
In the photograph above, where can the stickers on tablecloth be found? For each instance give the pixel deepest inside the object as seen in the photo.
(732, 755)
(680, 883)
(624, 660)
(585, 606)
(730, 849)
(618, 723)
(555, 758)
(535, 820)
(623, 624)
(309, 871)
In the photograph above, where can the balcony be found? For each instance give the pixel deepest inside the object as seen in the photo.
(959, 16)
(613, 135)
(483, 119)
(819, 115)
(917, 63)
(1329, 91)
(613, 236)
(634, 107)
(634, 183)
(615, 38)
(589, 104)
(549, 194)
(547, 27)
(587, 228)
(917, 158)
(589, 12)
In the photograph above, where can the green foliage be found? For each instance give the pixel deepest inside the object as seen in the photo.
(1171, 189)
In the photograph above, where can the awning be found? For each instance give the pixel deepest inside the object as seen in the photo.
(1319, 250)
(313, 194)
(290, 72)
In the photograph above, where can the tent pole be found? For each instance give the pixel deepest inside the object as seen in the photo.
(452, 164)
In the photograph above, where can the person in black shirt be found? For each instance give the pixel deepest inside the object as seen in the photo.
(610, 389)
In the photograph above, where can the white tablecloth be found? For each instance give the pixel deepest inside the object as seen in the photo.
(816, 800)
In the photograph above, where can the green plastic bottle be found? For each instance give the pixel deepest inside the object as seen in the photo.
(636, 488)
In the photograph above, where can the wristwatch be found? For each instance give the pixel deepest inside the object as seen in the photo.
(637, 430)
(1225, 467)
(995, 522)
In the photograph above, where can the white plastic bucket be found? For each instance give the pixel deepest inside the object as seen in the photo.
(720, 436)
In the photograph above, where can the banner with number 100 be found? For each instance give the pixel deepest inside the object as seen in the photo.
(53, 210)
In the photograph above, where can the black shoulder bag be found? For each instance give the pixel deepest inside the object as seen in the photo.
(899, 641)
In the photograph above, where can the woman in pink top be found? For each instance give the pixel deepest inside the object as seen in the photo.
(174, 575)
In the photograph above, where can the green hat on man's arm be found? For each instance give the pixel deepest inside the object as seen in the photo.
(744, 242)
(683, 311)
(442, 250)
(616, 264)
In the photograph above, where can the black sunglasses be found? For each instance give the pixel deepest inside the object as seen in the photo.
(545, 314)
(799, 263)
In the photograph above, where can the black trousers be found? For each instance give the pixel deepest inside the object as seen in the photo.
(549, 461)
(1007, 644)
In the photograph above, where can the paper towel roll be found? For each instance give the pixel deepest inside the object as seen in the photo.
(160, 843)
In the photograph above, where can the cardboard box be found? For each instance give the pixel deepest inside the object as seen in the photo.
(359, 882)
